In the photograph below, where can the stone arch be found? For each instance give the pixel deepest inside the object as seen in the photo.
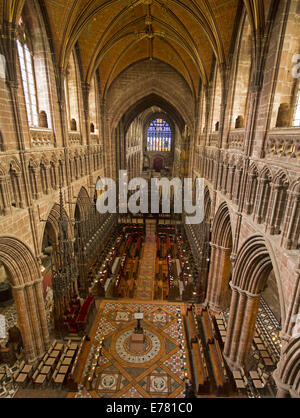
(158, 162)
(220, 263)
(34, 177)
(16, 183)
(25, 278)
(221, 228)
(82, 201)
(150, 91)
(254, 262)
(52, 219)
(291, 230)
(287, 376)
(207, 204)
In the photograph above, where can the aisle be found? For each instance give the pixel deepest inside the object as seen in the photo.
(146, 277)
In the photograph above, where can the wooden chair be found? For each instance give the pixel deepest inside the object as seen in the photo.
(59, 380)
(22, 380)
(15, 375)
(40, 380)
(53, 377)
(34, 376)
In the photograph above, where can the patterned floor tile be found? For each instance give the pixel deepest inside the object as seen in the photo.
(157, 371)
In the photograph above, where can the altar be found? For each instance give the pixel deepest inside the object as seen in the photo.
(137, 339)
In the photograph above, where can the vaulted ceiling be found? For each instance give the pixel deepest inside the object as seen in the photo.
(113, 34)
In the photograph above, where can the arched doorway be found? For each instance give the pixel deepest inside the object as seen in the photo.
(83, 230)
(287, 374)
(158, 164)
(251, 275)
(218, 291)
(24, 276)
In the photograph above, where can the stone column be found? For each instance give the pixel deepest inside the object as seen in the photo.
(283, 390)
(291, 231)
(230, 182)
(232, 314)
(47, 178)
(24, 323)
(275, 189)
(236, 322)
(20, 191)
(219, 278)
(56, 177)
(247, 332)
(224, 179)
(249, 193)
(236, 186)
(38, 287)
(34, 319)
(259, 201)
(3, 192)
(211, 272)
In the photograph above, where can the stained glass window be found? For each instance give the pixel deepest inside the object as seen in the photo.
(26, 65)
(159, 136)
(296, 121)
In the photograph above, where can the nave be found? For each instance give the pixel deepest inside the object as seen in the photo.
(183, 349)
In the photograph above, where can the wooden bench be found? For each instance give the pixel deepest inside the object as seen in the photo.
(200, 371)
(191, 326)
(216, 368)
(207, 327)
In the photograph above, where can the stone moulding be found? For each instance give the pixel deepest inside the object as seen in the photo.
(236, 140)
(213, 139)
(282, 146)
(94, 138)
(74, 138)
(41, 137)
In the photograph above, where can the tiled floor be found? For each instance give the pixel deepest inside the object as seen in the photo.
(158, 372)
(145, 283)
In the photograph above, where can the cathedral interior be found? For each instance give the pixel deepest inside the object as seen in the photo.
(146, 304)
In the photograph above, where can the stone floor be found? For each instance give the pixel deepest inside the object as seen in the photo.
(11, 319)
(146, 277)
(158, 372)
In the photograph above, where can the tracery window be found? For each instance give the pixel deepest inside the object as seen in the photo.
(159, 136)
(27, 73)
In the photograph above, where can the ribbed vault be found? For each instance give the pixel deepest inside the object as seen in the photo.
(113, 34)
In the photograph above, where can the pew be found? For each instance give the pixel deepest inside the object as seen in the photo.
(191, 325)
(207, 328)
(216, 368)
(200, 371)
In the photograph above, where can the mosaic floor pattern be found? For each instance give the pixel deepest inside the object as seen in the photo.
(159, 371)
